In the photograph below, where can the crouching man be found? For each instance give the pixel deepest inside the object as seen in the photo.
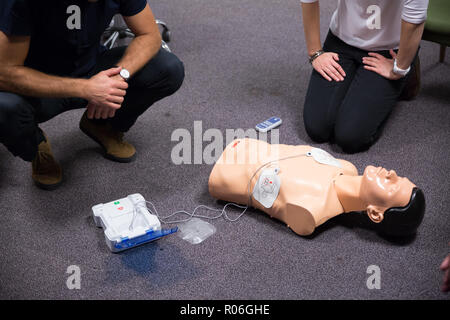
(51, 61)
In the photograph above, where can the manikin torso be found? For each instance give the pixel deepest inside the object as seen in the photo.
(307, 196)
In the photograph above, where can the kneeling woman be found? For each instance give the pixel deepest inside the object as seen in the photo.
(359, 74)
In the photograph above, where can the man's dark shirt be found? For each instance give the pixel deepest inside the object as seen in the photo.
(54, 47)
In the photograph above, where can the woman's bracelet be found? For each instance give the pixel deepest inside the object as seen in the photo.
(315, 55)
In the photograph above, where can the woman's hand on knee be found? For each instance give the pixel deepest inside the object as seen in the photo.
(326, 64)
(381, 65)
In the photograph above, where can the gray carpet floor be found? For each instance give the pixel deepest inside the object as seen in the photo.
(245, 61)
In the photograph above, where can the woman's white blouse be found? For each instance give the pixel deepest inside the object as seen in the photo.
(374, 25)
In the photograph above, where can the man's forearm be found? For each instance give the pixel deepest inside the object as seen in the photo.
(311, 26)
(411, 34)
(140, 51)
(26, 81)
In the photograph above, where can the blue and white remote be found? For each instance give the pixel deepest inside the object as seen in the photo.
(269, 124)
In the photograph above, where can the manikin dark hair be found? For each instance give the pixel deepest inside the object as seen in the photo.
(404, 221)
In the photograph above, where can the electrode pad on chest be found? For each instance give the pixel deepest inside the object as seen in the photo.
(267, 187)
(324, 157)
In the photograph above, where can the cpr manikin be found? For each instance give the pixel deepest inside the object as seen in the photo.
(304, 187)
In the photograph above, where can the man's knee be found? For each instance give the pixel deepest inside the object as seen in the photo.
(164, 73)
(173, 69)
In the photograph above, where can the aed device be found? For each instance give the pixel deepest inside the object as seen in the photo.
(128, 223)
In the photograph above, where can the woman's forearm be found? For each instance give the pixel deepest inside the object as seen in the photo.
(311, 26)
(410, 37)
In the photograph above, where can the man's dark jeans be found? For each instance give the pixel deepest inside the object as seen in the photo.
(20, 115)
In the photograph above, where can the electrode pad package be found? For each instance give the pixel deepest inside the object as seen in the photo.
(127, 223)
(195, 230)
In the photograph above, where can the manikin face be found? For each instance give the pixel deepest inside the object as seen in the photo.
(382, 189)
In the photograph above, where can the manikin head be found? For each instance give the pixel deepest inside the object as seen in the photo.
(393, 201)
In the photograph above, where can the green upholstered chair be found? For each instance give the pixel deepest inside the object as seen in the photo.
(437, 26)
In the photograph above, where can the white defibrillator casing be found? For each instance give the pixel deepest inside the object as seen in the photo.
(116, 217)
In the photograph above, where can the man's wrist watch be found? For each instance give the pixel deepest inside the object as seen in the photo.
(400, 72)
(125, 74)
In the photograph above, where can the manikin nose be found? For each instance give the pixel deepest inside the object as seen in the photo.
(391, 174)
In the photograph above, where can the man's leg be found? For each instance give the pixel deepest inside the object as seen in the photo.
(159, 78)
(324, 97)
(367, 105)
(20, 133)
(19, 130)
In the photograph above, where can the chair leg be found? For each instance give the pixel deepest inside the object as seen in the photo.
(442, 53)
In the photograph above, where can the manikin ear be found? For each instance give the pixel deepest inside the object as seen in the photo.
(376, 214)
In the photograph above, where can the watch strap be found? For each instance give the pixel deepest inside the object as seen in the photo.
(401, 72)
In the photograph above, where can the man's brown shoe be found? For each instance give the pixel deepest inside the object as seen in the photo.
(46, 172)
(111, 140)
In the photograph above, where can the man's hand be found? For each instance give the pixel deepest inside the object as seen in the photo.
(381, 65)
(105, 93)
(326, 65)
(445, 266)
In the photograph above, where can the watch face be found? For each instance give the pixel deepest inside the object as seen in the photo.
(125, 74)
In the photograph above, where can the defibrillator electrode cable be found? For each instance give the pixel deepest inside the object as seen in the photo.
(143, 204)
